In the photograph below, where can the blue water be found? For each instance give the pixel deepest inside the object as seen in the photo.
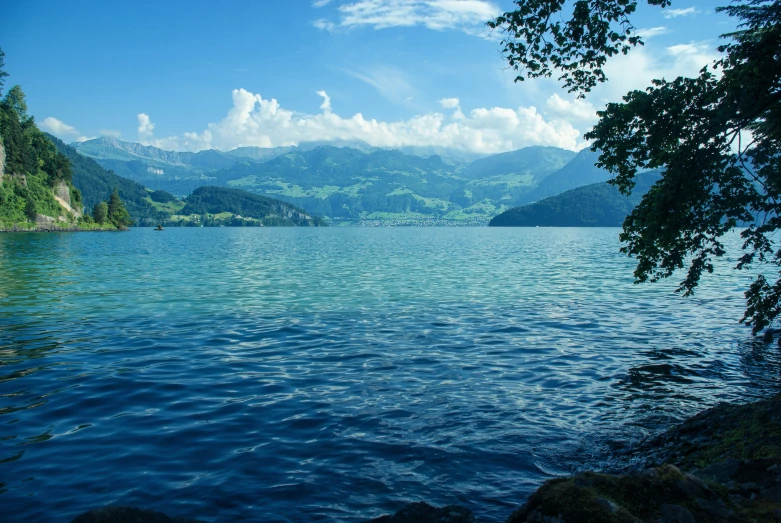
(335, 374)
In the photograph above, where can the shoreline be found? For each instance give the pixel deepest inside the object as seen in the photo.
(16, 228)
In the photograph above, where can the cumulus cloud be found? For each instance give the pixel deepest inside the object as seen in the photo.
(675, 13)
(62, 130)
(466, 15)
(145, 127)
(58, 127)
(255, 121)
(580, 110)
(450, 103)
(643, 64)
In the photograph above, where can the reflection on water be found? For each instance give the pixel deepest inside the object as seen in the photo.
(264, 374)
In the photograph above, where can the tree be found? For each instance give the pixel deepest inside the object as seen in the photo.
(717, 137)
(3, 74)
(117, 214)
(100, 212)
(30, 209)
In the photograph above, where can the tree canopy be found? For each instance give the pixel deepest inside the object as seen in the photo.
(717, 137)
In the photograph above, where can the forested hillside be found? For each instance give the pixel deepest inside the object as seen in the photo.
(595, 205)
(242, 205)
(96, 184)
(35, 179)
(356, 182)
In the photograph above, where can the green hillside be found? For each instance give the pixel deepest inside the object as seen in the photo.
(96, 183)
(356, 182)
(36, 189)
(595, 205)
(210, 205)
(577, 173)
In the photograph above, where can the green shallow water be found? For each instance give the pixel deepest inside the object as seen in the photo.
(335, 374)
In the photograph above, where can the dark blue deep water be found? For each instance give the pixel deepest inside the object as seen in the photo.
(335, 374)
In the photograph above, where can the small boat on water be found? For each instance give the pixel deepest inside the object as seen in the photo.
(159, 227)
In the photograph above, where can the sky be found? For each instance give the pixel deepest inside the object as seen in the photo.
(198, 75)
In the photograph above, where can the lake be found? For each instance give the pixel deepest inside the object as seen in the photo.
(292, 374)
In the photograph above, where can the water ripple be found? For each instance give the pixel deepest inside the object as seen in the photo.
(289, 375)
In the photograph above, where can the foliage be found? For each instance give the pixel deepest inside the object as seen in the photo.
(117, 214)
(162, 196)
(100, 212)
(717, 137)
(33, 166)
(96, 185)
(538, 40)
(3, 73)
(595, 205)
(215, 200)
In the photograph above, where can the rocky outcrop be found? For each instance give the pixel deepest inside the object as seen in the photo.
(62, 194)
(424, 513)
(128, 515)
(728, 470)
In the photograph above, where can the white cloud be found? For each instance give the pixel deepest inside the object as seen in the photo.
(255, 121)
(643, 64)
(466, 15)
(324, 24)
(110, 132)
(326, 105)
(320, 3)
(579, 110)
(58, 127)
(145, 127)
(392, 84)
(675, 13)
(450, 103)
(651, 32)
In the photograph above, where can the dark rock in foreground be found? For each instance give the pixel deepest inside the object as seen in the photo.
(425, 513)
(128, 515)
(728, 471)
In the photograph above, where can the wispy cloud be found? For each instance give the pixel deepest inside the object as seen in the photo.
(466, 15)
(320, 3)
(255, 121)
(675, 13)
(651, 32)
(110, 132)
(392, 84)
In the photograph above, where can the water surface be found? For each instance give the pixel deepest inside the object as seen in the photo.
(335, 374)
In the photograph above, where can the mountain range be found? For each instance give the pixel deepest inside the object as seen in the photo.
(352, 181)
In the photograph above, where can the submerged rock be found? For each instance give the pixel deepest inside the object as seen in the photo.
(424, 513)
(128, 515)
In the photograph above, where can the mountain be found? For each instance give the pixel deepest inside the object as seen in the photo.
(352, 181)
(348, 184)
(577, 173)
(109, 148)
(532, 164)
(243, 205)
(595, 205)
(96, 184)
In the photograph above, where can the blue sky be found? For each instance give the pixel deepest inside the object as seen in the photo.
(198, 75)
